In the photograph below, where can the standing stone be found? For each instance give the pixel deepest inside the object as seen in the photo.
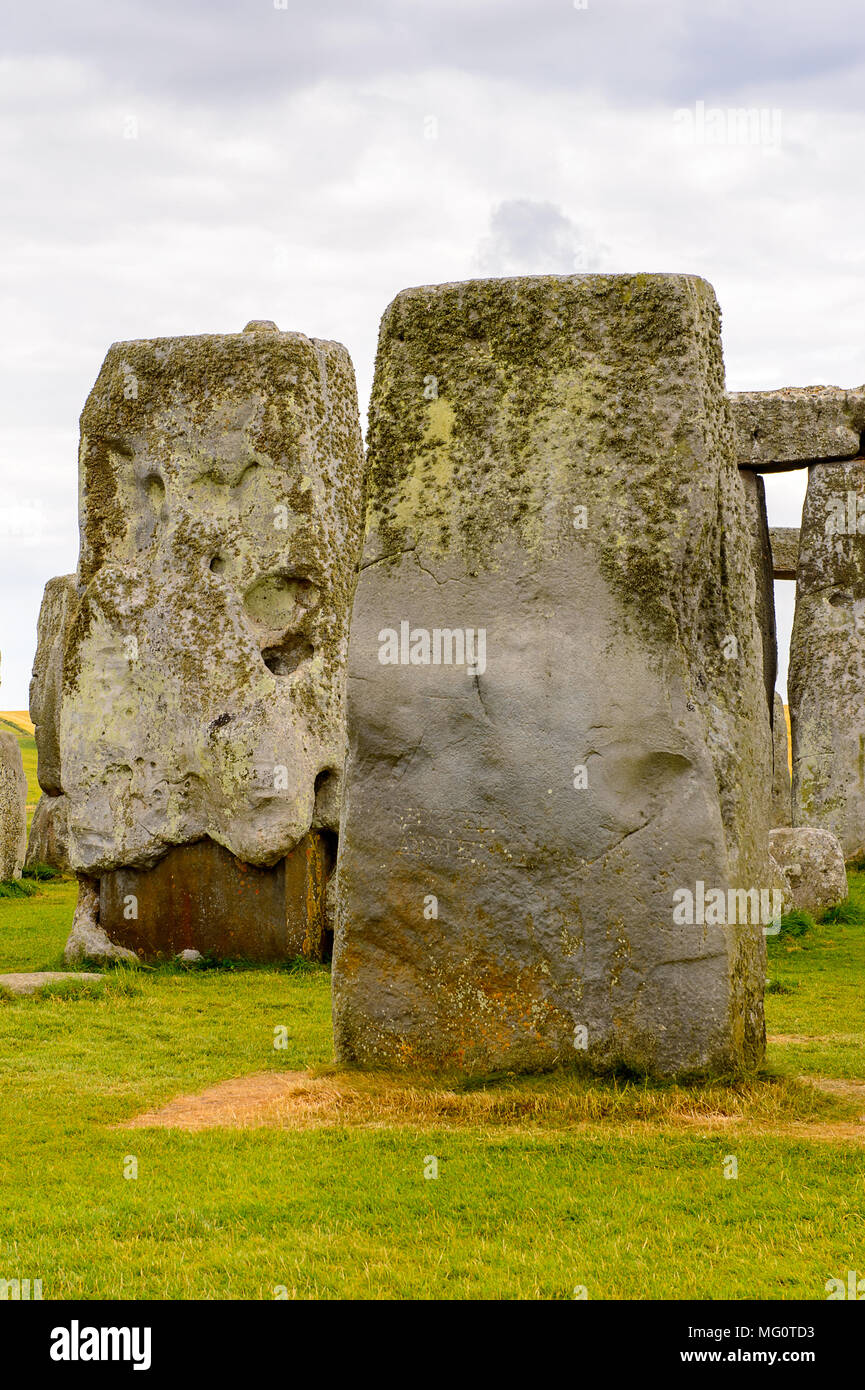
(13, 807)
(47, 841)
(59, 603)
(221, 509)
(782, 796)
(558, 724)
(827, 656)
(761, 550)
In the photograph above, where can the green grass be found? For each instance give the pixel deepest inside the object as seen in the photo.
(545, 1183)
(823, 975)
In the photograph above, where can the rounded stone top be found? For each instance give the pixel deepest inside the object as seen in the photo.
(261, 326)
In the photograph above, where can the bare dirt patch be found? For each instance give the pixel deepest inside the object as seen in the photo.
(307, 1100)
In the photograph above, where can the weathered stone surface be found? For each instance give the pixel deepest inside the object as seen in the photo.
(221, 478)
(13, 807)
(221, 516)
(785, 551)
(761, 551)
(796, 425)
(781, 887)
(782, 792)
(200, 898)
(552, 464)
(32, 982)
(59, 605)
(47, 842)
(813, 864)
(87, 940)
(826, 682)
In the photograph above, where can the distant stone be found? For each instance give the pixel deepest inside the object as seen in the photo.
(13, 807)
(558, 717)
(56, 615)
(797, 425)
(761, 551)
(813, 863)
(48, 841)
(826, 680)
(782, 792)
(190, 957)
(261, 326)
(785, 551)
(29, 983)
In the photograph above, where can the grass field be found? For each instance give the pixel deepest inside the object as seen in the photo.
(545, 1185)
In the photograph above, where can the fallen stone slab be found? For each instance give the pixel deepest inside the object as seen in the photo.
(32, 981)
(813, 864)
(795, 426)
(785, 551)
(559, 730)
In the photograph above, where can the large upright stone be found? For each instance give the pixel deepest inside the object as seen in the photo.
(221, 495)
(827, 656)
(558, 724)
(782, 794)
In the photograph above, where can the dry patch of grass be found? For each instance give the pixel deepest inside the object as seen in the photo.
(328, 1097)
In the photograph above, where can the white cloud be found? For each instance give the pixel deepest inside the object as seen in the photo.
(283, 169)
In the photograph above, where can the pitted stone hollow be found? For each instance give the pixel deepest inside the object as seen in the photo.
(203, 674)
(553, 484)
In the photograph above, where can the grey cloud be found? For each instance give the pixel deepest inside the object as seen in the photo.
(534, 238)
(216, 52)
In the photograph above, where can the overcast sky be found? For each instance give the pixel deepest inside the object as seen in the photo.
(182, 166)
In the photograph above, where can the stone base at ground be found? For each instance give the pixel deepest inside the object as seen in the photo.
(199, 897)
(87, 941)
(813, 864)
